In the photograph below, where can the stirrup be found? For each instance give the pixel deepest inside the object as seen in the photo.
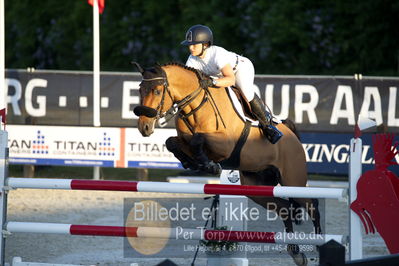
(272, 134)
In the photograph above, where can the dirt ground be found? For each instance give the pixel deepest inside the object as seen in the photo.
(106, 208)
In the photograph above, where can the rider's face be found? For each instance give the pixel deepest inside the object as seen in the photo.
(195, 49)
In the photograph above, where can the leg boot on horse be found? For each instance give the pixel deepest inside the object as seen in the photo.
(197, 146)
(175, 146)
(198, 159)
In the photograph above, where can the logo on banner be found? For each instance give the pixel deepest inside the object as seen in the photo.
(106, 148)
(39, 145)
(34, 145)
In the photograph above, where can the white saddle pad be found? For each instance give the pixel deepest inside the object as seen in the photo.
(238, 108)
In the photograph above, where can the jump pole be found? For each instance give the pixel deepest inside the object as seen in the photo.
(355, 171)
(3, 197)
(166, 187)
(355, 226)
(177, 233)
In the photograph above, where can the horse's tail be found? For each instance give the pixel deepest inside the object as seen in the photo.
(291, 125)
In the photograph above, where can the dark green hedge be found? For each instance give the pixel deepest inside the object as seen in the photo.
(334, 37)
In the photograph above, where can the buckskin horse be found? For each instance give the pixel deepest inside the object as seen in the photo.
(210, 134)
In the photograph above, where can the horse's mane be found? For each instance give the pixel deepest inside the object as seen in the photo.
(200, 75)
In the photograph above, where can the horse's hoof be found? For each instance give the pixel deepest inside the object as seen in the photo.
(215, 168)
(298, 257)
(211, 168)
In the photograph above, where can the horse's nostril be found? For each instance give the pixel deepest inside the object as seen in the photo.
(146, 127)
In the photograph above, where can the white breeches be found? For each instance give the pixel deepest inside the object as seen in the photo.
(245, 76)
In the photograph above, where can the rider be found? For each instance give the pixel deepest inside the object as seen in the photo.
(230, 69)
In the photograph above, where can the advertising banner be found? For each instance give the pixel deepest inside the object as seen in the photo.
(313, 103)
(326, 153)
(45, 145)
(149, 152)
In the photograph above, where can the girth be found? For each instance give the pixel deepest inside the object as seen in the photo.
(233, 162)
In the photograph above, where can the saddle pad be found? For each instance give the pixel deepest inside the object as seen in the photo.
(240, 112)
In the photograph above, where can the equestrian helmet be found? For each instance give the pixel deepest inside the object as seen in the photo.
(198, 34)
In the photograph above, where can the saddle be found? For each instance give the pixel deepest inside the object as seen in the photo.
(246, 107)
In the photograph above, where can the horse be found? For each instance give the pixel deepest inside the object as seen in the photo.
(211, 135)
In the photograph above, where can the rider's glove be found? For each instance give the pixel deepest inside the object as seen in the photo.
(207, 82)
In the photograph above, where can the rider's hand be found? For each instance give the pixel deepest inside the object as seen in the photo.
(207, 82)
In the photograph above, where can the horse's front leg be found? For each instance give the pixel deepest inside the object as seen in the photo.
(197, 143)
(177, 146)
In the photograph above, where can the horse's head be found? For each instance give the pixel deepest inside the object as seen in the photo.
(164, 92)
(153, 100)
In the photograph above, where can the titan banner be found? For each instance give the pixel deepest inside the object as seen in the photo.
(326, 153)
(314, 103)
(89, 146)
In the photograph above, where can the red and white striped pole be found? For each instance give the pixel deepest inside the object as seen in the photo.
(166, 187)
(177, 233)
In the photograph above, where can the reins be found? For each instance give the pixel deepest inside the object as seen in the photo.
(215, 109)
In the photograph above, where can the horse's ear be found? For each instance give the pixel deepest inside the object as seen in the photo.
(158, 68)
(139, 68)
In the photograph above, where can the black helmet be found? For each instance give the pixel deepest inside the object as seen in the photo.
(198, 34)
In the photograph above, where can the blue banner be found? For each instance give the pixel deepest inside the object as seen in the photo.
(328, 153)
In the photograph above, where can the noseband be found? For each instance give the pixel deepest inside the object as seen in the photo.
(143, 110)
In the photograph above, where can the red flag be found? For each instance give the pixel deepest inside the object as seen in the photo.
(101, 5)
(358, 132)
(3, 117)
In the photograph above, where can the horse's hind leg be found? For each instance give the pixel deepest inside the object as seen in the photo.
(312, 208)
(297, 176)
(271, 177)
(279, 205)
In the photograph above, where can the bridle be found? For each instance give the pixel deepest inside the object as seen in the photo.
(158, 110)
(163, 117)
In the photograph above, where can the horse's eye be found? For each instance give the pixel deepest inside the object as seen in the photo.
(157, 92)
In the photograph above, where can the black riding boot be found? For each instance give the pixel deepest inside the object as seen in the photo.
(265, 120)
